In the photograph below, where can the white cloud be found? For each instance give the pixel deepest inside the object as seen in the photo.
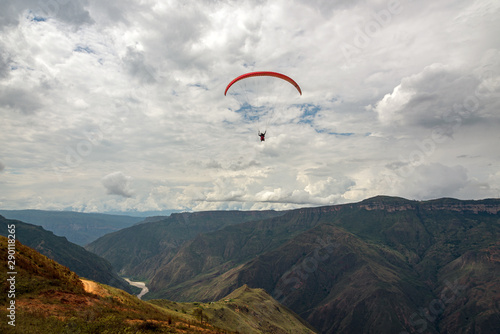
(137, 87)
(117, 184)
(428, 181)
(431, 97)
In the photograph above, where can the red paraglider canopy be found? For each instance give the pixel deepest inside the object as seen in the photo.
(264, 73)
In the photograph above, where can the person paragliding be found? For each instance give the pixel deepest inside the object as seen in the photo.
(262, 96)
(262, 135)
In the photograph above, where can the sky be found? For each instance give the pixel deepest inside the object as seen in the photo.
(119, 105)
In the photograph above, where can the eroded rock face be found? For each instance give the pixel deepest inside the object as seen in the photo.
(476, 208)
(390, 204)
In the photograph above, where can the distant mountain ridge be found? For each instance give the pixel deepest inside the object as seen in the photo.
(139, 250)
(78, 227)
(392, 204)
(385, 264)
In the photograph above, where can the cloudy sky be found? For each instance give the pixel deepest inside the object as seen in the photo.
(120, 106)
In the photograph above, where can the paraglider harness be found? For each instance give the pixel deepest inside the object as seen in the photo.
(262, 135)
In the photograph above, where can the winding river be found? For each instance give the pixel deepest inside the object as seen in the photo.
(140, 285)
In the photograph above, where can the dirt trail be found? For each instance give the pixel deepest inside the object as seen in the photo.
(93, 287)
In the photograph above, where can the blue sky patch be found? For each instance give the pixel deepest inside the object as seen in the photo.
(83, 49)
(251, 113)
(309, 112)
(198, 86)
(38, 19)
(333, 133)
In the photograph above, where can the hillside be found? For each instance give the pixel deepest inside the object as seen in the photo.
(239, 311)
(138, 251)
(49, 298)
(384, 265)
(79, 260)
(78, 227)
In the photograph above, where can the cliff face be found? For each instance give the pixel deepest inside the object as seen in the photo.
(390, 204)
(475, 207)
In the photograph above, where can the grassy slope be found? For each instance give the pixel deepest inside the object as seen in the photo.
(245, 310)
(52, 299)
(82, 262)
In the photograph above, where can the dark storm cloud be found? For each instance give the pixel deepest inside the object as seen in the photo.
(20, 100)
(182, 26)
(9, 12)
(72, 12)
(4, 66)
(137, 67)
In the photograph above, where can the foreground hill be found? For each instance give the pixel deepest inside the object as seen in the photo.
(49, 298)
(384, 265)
(59, 249)
(78, 227)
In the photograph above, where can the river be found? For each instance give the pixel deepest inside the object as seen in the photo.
(140, 285)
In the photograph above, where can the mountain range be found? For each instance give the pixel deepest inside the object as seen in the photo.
(383, 265)
(139, 250)
(42, 296)
(78, 227)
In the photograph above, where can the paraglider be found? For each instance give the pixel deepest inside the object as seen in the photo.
(263, 74)
(262, 135)
(263, 96)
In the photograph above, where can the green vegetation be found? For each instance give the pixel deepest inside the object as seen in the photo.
(79, 260)
(52, 299)
(239, 311)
